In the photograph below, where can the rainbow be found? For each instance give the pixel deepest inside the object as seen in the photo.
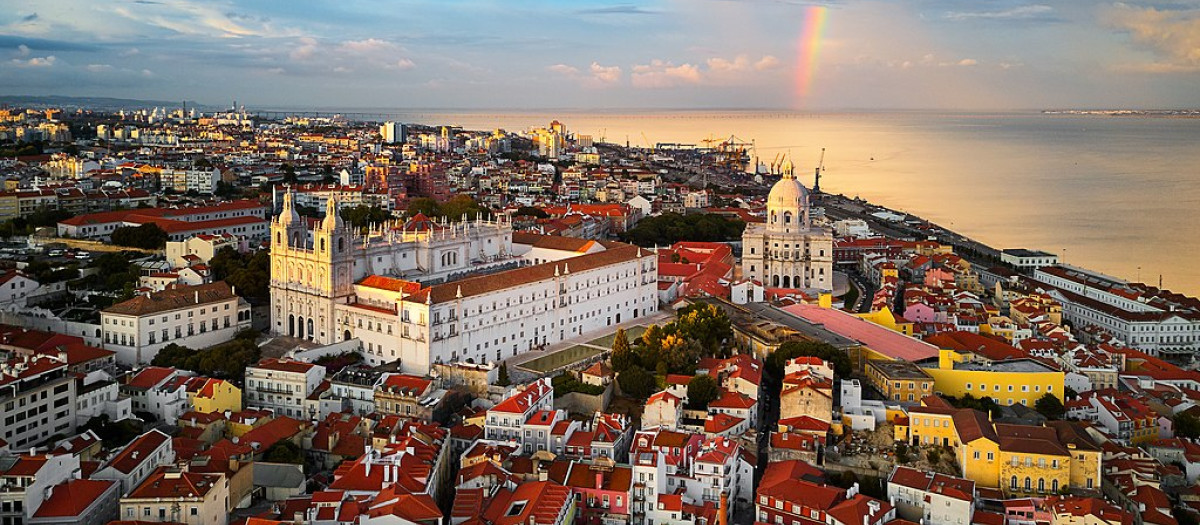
(809, 47)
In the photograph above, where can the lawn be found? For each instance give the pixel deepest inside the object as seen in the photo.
(565, 357)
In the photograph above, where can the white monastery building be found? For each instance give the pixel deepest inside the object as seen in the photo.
(788, 251)
(425, 292)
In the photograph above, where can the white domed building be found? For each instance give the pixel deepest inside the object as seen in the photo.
(788, 251)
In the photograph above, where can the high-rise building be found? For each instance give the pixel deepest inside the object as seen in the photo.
(392, 132)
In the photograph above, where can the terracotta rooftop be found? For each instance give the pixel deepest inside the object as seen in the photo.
(174, 299)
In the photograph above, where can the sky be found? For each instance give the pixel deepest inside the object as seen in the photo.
(590, 54)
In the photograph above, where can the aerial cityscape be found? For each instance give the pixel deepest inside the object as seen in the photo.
(699, 263)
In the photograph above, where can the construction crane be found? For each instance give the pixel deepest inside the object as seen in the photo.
(603, 132)
(820, 168)
(775, 163)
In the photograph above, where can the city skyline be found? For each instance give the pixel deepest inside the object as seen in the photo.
(595, 55)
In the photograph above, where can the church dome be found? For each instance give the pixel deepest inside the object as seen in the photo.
(787, 204)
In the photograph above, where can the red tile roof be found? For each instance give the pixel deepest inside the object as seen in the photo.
(878, 338)
(137, 451)
(173, 299)
(170, 485)
(70, 499)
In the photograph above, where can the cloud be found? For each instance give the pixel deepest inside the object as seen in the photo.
(29, 17)
(595, 76)
(563, 69)
(47, 61)
(624, 9)
(23, 50)
(605, 74)
(739, 63)
(368, 46)
(1024, 12)
(968, 62)
(96, 68)
(1174, 36)
(663, 74)
(767, 62)
(404, 64)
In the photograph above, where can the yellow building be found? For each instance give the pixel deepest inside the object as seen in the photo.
(215, 395)
(1008, 382)
(899, 380)
(10, 206)
(1025, 460)
(932, 426)
(885, 318)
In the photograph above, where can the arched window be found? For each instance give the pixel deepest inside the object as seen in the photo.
(1054, 486)
(787, 217)
(341, 244)
(279, 238)
(1041, 484)
(1014, 483)
(322, 244)
(1028, 484)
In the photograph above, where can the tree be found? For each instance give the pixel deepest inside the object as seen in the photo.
(701, 391)
(502, 376)
(147, 236)
(1187, 425)
(839, 360)
(1050, 406)
(362, 215)
(425, 206)
(530, 211)
(706, 324)
(460, 205)
(680, 354)
(622, 355)
(284, 452)
(249, 272)
(983, 404)
(934, 455)
(637, 382)
(669, 228)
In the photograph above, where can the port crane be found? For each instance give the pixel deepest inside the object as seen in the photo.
(820, 168)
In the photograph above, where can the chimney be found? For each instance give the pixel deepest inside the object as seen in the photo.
(197, 296)
(599, 479)
(367, 465)
(387, 474)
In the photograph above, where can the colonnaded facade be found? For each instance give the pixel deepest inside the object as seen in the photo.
(423, 291)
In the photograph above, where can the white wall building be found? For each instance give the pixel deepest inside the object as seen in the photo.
(1150, 320)
(282, 385)
(37, 400)
(425, 292)
(16, 287)
(193, 316)
(788, 251)
(933, 499)
(1027, 259)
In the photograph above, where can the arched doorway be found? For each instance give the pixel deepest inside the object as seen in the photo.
(300, 327)
(310, 329)
(618, 318)
(346, 336)
(787, 281)
(291, 326)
